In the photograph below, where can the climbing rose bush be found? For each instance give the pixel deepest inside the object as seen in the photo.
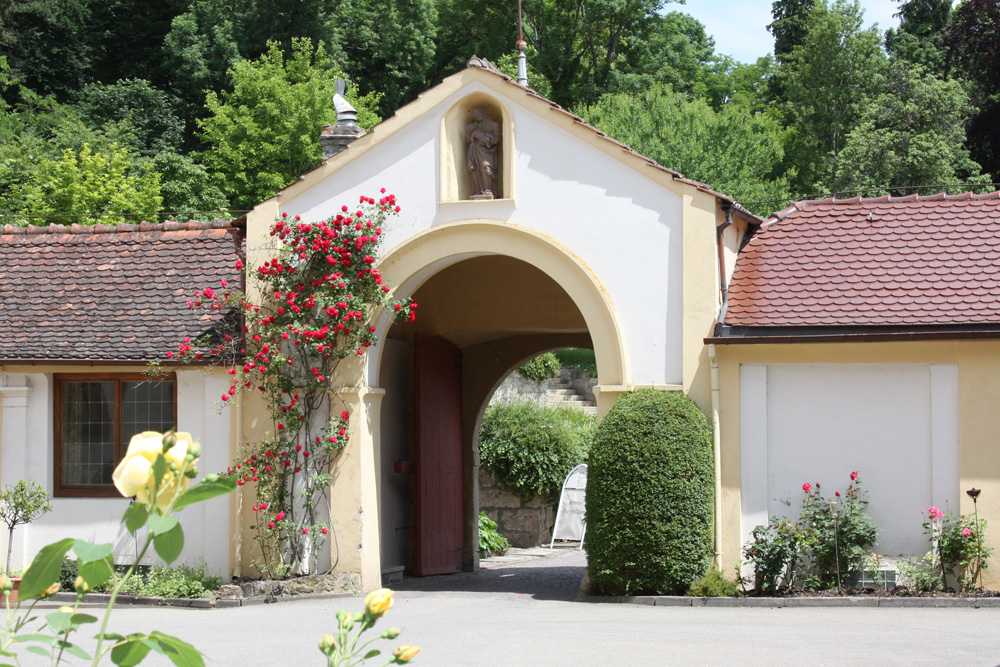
(320, 295)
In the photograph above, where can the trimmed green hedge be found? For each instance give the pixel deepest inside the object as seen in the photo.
(650, 494)
(530, 449)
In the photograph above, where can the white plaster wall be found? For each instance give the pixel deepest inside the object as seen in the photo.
(897, 424)
(622, 225)
(27, 452)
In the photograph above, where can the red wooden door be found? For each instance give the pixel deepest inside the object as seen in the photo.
(438, 466)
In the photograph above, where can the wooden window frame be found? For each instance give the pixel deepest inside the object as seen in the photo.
(95, 490)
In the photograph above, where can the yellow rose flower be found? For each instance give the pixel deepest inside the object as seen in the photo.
(405, 653)
(378, 602)
(134, 475)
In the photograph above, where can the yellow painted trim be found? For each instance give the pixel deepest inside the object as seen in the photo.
(445, 244)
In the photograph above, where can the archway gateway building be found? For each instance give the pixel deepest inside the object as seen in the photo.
(578, 241)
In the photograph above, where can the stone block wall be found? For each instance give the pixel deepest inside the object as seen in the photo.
(525, 523)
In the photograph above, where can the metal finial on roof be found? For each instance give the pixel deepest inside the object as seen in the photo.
(347, 115)
(522, 60)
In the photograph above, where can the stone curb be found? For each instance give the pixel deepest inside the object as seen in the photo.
(781, 603)
(101, 599)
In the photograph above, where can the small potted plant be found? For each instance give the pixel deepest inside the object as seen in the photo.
(21, 504)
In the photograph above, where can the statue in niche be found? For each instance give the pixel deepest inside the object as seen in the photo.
(482, 135)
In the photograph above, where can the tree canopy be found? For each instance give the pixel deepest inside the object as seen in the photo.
(224, 101)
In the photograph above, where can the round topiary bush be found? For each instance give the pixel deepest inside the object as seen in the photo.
(530, 449)
(649, 496)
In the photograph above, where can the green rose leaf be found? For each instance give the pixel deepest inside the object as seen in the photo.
(204, 490)
(372, 653)
(87, 552)
(135, 517)
(73, 649)
(39, 650)
(130, 652)
(44, 639)
(96, 572)
(59, 622)
(180, 652)
(169, 544)
(45, 568)
(159, 525)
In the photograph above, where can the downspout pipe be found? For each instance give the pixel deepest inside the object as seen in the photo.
(713, 360)
(717, 453)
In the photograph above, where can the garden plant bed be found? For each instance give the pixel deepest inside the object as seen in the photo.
(243, 592)
(845, 597)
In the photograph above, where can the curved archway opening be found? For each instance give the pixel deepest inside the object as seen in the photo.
(480, 316)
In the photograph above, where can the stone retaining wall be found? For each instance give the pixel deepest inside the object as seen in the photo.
(526, 523)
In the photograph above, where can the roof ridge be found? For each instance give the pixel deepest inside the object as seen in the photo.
(778, 216)
(124, 227)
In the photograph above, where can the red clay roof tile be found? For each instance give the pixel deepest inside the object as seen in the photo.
(109, 292)
(884, 261)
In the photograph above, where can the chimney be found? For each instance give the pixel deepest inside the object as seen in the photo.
(334, 138)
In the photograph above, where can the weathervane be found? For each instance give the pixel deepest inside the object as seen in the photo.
(522, 60)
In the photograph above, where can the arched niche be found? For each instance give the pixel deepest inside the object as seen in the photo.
(456, 178)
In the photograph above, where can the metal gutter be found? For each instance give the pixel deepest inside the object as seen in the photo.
(852, 337)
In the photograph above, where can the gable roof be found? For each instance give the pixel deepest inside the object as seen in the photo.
(480, 70)
(109, 293)
(875, 265)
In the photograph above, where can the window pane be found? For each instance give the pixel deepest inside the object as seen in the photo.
(88, 432)
(146, 406)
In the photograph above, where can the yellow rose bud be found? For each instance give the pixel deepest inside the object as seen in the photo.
(391, 633)
(347, 620)
(327, 644)
(65, 609)
(6, 584)
(405, 653)
(80, 585)
(378, 602)
(50, 591)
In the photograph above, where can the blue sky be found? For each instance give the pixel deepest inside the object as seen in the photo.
(739, 26)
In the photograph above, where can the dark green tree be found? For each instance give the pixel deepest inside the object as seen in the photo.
(141, 111)
(827, 81)
(911, 133)
(701, 143)
(389, 47)
(920, 37)
(264, 133)
(45, 44)
(790, 25)
(974, 51)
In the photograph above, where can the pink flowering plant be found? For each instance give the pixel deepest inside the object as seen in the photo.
(320, 294)
(836, 546)
(958, 548)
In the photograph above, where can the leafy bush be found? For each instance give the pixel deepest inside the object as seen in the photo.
(578, 359)
(650, 496)
(956, 542)
(836, 545)
(540, 368)
(920, 573)
(68, 574)
(714, 585)
(491, 542)
(172, 582)
(530, 449)
(773, 553)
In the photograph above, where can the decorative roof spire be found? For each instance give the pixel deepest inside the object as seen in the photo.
(522, 60)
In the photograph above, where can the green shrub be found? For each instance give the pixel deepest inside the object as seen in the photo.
(773, 554)
(491, 542)
(172, 582)
(713, 585)
(578, 359)
(530, 449)
(650, 496)
(836, 546)
(540, 368)
(68, 574)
